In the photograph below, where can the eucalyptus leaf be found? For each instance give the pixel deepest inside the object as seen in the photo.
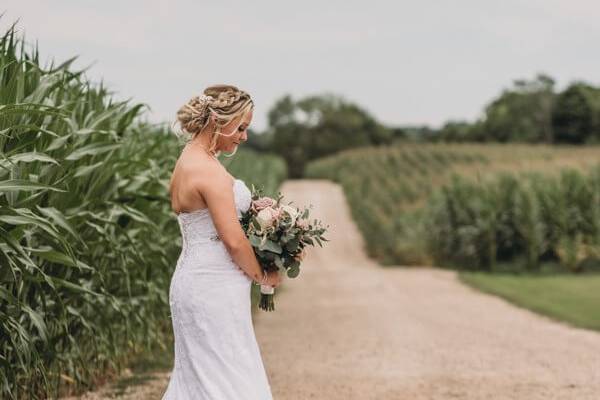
(271, 246)
(293, 271)
(255, 223)
(278, 262)
(254, 240)
(292, 245)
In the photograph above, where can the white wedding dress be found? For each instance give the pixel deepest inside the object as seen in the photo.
(216, 353)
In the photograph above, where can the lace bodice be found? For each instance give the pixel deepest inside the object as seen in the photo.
(197, 226)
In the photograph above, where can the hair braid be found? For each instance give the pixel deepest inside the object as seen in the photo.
(226, 102)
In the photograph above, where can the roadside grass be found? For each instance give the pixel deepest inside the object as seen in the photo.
(574, 299)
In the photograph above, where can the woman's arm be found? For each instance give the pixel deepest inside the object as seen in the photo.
(219, 197)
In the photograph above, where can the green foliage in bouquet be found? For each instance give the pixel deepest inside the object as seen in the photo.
(279, 234)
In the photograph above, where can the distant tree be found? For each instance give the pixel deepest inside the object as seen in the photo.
(320, 125)
(530, 111)
(259, 141)
(576, 114)
(398, 133)
(476, 132)
(418, 133)
(455, 131)
(522, 113)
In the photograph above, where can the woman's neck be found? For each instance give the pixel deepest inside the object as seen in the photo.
(203, 141)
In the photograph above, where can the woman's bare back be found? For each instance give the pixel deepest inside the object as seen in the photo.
(193, 165)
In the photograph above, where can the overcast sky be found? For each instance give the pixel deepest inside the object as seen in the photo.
(406, 62)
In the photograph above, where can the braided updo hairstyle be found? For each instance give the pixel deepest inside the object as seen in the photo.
(226, 102)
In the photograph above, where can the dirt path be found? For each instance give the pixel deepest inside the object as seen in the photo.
(347, 328)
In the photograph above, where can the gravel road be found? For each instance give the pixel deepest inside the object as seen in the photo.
(347, 328)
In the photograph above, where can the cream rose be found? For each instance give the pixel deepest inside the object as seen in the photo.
(266, 217)
(291, 211)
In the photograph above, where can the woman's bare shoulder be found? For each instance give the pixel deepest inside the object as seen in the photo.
(204, 171)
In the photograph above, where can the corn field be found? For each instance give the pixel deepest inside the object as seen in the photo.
(88, 240)
(381, 184)
(389, 191)
(532, 218)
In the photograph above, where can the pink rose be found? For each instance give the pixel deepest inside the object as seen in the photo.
(278, 213)
(262, 203)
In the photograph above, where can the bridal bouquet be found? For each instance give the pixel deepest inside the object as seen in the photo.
(279, 234)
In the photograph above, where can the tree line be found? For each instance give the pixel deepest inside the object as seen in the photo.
(533, 111)
(530, 111)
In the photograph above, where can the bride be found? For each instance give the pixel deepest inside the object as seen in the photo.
(216, 353)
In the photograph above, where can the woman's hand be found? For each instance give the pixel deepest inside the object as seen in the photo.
(273, 278)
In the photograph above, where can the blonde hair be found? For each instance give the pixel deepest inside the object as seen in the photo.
(226, 102)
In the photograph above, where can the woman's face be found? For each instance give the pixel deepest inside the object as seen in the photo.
(239, 127)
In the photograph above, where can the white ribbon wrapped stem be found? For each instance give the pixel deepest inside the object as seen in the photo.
(266, 289)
